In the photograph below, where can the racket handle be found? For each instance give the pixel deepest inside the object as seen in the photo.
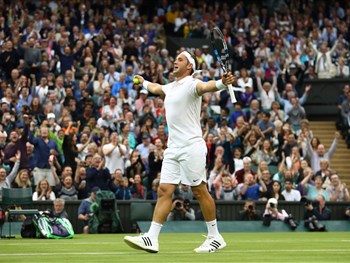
(232, 94)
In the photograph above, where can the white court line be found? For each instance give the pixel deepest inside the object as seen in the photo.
(324, 251)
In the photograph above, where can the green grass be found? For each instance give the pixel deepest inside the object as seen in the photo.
(242, 247)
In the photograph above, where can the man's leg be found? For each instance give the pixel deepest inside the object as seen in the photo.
(214, 240)
(164, 202)
(206, 202)
(149, 242)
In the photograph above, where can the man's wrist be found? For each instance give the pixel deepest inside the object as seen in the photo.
(145, 84)
(219, 84)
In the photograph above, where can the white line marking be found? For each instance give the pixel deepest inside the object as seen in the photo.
(175, 252)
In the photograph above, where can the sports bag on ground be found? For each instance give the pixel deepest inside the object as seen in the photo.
(48, 226)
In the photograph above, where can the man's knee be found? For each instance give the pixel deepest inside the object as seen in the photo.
(200, 191)
(166, 190)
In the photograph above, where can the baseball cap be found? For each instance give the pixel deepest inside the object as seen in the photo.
(272, 201)
(19, 125)
(144, 91)
(146, 136)
(51, 115)
(95, 189)
(247, 159)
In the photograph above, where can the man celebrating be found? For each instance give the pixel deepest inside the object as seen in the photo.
(184, 159)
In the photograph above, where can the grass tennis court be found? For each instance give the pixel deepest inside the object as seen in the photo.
(242, 247)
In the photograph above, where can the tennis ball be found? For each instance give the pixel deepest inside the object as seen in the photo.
(136, 81)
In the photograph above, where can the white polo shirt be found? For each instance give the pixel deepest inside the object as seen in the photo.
(293, 195)
(182, 110)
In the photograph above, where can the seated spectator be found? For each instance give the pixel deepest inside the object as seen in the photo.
(135, 165)
(138, 190)
(276, 191)
(249, 212)
(84, 211)
(6, 180)
(325, 172)
(123, 191)
(266, 126)
(80, 180)
(250, 189)
(65, 188)
(318, 209)
(247, 96)
(58, 208)
(153, 194)
(267, 154)
(43, 191)
(289, 193)
(271, 210)
(219, 166)
(181, 210)
(22, 180)
(228, 190)
(184, 191)
(313, 190)
(240, 174)
(347, 212)
(337, 191)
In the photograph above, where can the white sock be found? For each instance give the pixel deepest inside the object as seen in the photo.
(212, 228)
(154, 230)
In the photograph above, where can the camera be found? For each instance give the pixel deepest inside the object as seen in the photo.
(291, 222)
(308, 202)
(272, 205)
(314, 225)
(250, 207)
(178, 204)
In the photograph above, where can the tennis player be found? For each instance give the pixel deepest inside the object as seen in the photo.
(184, 159)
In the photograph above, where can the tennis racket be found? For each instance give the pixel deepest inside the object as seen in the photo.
(221, 53)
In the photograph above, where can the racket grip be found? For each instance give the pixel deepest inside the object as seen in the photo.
(232, 94)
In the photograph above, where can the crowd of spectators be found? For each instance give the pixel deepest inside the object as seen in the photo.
(72, 119)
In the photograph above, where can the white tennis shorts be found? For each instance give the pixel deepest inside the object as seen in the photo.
(185, 164)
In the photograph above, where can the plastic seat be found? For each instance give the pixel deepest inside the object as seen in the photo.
(17, 197)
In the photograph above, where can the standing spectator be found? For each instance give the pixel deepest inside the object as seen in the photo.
(45, 148)
(266, 90)
(320, 153)
(96, 175)
(9, 59)
(114, 153)
(18, 141)
(296, 114)
(324, 66)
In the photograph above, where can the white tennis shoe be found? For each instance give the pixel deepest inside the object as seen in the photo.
(211, 244)
(143, 242)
